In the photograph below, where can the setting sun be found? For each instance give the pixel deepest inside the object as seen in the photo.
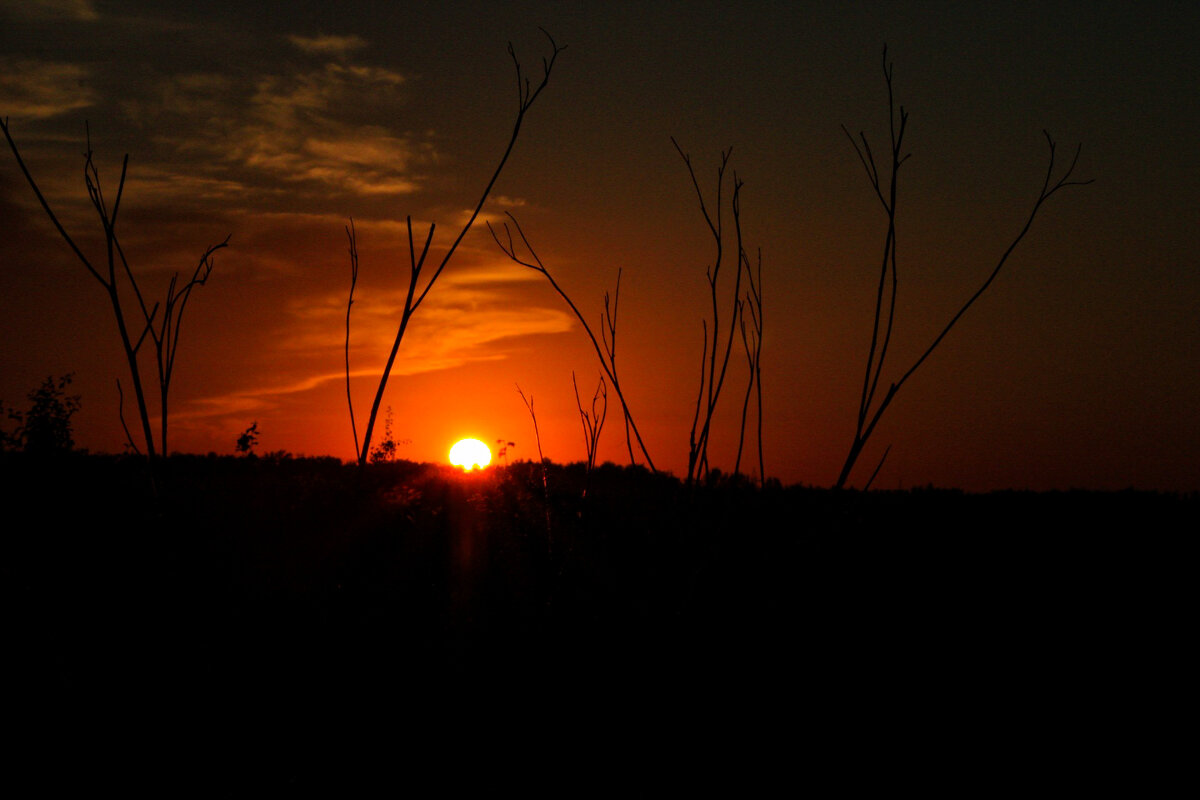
(470, 454)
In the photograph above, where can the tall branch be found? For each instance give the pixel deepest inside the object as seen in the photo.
(166, 336)
(867, 418)
(593, 423)
(527, 94)
(351, 236)
(606, 354)
(752, 343)
(712, 379)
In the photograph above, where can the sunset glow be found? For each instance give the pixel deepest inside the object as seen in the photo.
(470, 454)
(275, 134)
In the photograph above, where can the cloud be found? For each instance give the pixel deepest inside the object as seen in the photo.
(336, 157)
(327, 45)
(293, 128)
(257, 399)
(41, 89)
(155, 184)
(82, 10)
(458, 319)
(462, 323)
(495, 273)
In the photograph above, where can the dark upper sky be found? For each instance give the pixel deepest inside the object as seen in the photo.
(277, 122)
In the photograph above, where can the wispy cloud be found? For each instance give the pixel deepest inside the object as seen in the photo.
(327, 45)
(473, 311)
(258, 398)
(298, 129)
(459, 318)
(465, 322)
(82, 10)
(40, 89)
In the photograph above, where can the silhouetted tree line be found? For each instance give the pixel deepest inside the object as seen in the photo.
(298, 578)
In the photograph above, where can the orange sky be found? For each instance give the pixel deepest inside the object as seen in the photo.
(1077, 369)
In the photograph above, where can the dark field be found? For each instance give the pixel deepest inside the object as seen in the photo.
(302, 583)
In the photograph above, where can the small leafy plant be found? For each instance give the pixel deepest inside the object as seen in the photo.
(46, 426)
(248, 440)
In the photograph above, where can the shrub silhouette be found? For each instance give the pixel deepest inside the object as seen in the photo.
(46, 426)
(712, 377)
(162, 330)
(248, 440)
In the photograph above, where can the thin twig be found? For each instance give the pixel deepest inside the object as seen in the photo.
(606, 356)
(352, 237)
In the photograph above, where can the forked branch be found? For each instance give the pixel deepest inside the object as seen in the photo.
(541, 464)
(718, 339)
(593, 423)
(869, 412)
(166, 335)
(527, 94)
(607, 353)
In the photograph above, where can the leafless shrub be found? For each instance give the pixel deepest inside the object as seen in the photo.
(719, 337)
(165, 333)
(541, 463)
(593, 423)
(606, 352)
(712, 377)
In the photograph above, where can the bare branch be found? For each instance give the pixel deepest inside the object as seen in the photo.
(121, 413)
(541, 463)
(878, 467)
(527, 95)
(593, 422)
(712, 381)
(352, 237)
(1042, 197)
(166, 335)
(46, 207)
(752, 343)
(867, 419)
(607, 357)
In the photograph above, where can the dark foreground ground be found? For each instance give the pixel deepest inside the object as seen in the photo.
(301, 585)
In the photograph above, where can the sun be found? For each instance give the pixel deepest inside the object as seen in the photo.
(470, 454)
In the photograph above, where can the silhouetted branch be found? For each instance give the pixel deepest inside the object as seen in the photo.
(608, 334)
(752, 343)
(712, 379)
(593, 423)
(541, 463)
(878, 467)
(121, 414)
(166, 336)
(866, 418)
(693, 445)
(527, 95)
(607, 353)
(166, 339)
(46, 206)
(351, 236)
